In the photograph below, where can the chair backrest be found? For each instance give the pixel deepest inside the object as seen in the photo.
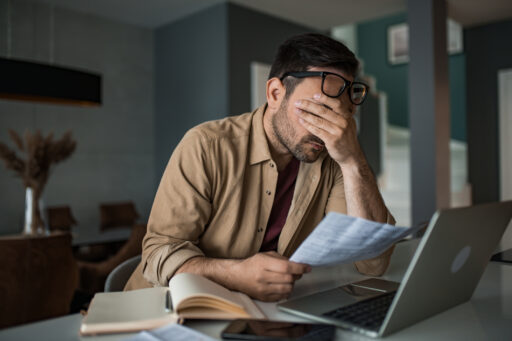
(38, 277)
(117, 279)
(120, 214)
(60, 218)
(93, 275)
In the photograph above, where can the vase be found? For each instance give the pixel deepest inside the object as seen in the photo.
(34, 223)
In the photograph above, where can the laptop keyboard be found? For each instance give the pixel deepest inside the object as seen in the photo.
(367, 314)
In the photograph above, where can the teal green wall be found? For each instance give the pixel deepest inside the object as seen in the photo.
(392, 79)
(458, 96)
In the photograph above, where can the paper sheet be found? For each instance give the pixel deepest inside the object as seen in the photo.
(342, 239)
(175, 332)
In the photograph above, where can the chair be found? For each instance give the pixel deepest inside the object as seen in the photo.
(117, 279)
(93, 275)
(120, 214)
(60, 218)
(38, 277)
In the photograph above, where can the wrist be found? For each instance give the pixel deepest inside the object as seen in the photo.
(222, 271)
(354, 167)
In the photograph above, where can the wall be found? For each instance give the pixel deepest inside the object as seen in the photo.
(392, 79)
(114, 156)
(488, 50)
(202, 65)
(191, 78)
(253, 36)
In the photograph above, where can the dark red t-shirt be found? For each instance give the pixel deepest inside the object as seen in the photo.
(282, 202)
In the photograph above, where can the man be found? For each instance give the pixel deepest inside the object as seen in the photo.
(240, 194)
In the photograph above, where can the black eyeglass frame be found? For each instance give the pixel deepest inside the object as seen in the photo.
(323, 74)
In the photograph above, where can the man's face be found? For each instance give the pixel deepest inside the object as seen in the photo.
(303, 145)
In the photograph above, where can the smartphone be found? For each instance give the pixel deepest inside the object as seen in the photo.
(244, 329)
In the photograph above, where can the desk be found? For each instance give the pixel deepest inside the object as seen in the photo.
(89, 237)
(487, 316)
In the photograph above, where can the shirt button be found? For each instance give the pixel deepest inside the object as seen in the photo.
(314, 178)
(260, 230)
(271, 165)
(268, 192)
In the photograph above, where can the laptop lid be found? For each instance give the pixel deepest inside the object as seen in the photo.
(448, 262)
(444, 271)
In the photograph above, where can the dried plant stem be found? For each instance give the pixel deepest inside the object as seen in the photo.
(41, 152)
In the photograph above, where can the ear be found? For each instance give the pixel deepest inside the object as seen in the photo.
(275, 93)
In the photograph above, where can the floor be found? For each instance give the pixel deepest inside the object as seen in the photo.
(395, 181)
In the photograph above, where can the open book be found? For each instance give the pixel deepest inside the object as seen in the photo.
(188, 296)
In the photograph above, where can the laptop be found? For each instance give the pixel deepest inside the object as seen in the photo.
(444, 272)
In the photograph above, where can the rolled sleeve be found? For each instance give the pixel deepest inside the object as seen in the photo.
(337, 202)
(378, 265)
(180, 211)
(390, 219)
(165, 260)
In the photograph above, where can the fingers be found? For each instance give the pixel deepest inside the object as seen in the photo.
(344, 108)
(277, 255)
(285, 266)
(333, 115)
(322, 121)
(276, 292)
(280, 289)
(269, 276)
(315, 130)
(323, 125)
(278, 277)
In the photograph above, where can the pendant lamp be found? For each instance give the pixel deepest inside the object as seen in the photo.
(31, 81)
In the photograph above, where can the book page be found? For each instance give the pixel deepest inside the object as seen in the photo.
(127, 305)
(342, 239)
(250, 306)
(127, 311)
(186, 285)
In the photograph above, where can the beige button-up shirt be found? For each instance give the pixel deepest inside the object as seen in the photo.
(216, 195)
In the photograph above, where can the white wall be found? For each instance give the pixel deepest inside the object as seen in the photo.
(114, 159)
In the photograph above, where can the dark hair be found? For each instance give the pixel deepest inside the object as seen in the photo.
(301, 52)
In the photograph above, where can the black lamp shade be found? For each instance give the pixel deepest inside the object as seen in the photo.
(22, 80)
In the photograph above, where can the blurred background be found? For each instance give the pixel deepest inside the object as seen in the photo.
(167, 65)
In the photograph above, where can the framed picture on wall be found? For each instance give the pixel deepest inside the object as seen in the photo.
(454, 39)
(398, 41)
(398, 44)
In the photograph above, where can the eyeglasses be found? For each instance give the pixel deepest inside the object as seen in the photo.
(333, 85)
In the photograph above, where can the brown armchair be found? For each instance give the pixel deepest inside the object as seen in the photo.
(60, 218)
(38, 276)
(93, 275)
(120, 214)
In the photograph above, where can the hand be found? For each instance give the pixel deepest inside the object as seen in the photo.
(267, 276)
(331, 120)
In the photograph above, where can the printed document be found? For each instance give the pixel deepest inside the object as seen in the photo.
(175, 332)
(343, 239)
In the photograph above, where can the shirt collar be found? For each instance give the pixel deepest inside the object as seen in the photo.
(259, 150)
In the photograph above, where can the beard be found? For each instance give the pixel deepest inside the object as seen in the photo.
(286, 134)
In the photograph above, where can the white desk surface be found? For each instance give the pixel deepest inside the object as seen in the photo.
(487, 316)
